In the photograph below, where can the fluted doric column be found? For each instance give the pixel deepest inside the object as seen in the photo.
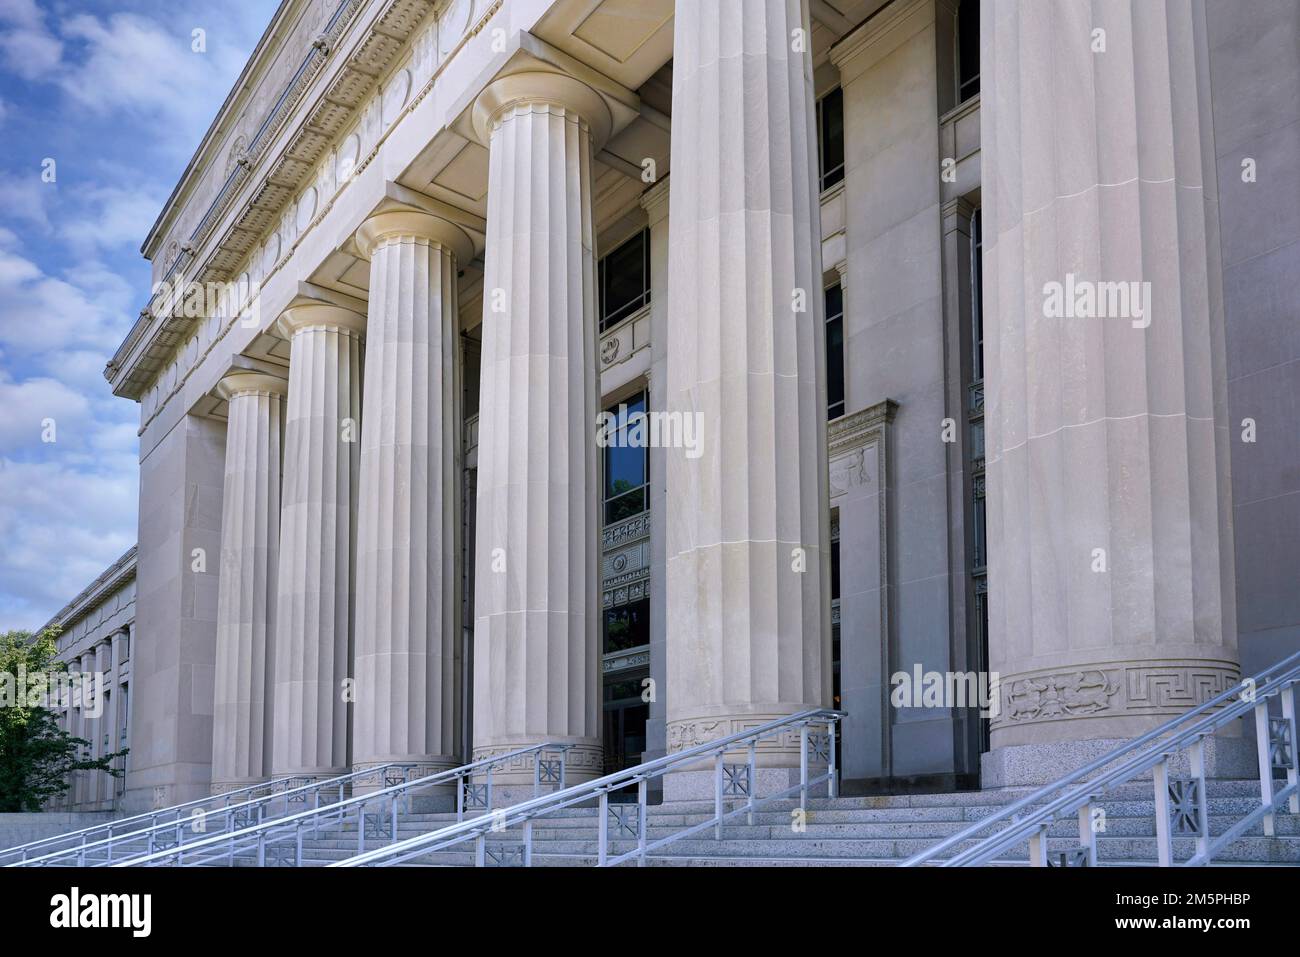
(748, 539)
(536, 631)
(408, 592)
(246, 587)
(1110, 542)
(317, 539)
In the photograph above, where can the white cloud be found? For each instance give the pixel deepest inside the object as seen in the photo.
(27, 47)
(70, 285)
(114, 217)
(61, 524)
(24, 198)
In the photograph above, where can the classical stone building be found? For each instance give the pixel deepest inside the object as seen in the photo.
(95, 631)
(820, 237)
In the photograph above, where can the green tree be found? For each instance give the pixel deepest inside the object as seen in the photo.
(36, 755)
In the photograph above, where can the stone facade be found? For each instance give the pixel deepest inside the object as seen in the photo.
(96, 634)
(375, 524)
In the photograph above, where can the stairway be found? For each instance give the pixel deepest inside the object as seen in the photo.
(850, 831)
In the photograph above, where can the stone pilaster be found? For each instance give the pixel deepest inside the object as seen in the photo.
(748, 524)
(408, 534)
(93, 691)
(1110, 569)
(536, 637)
(317, 540)
(246, 590)
(655, 201)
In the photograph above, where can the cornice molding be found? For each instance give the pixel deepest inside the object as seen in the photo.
(879, 35)
(856, 429)
(275, 172)
(109, 581)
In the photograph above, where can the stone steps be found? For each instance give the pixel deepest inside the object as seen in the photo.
(863, 830)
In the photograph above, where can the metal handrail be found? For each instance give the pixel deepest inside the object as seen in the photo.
(260, 835)
(23, 849)
(729, 783)
(198, 819)
(1153, 751)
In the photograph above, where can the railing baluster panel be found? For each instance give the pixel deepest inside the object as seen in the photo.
(1293, 758)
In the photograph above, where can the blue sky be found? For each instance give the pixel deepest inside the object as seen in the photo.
(113, 92)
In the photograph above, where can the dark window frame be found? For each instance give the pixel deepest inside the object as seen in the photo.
(968, 19)
(830, 157)
(642, 491)
(610, 317)
(835, 404)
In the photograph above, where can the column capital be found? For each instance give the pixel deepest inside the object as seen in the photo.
(655, 201)
(243, 383)
(412, 224)
(879, 35)
(320, 315)
(545, 89)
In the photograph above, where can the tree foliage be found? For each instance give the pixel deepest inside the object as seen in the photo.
(36, 755)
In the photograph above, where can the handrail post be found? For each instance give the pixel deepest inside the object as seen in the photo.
(261, 849)
(717, 795)
(1265, 763)
(1038, 848)
(1087, 834)
(803, 767)
(394, 816)
(641, 822)
(537, 773)
(1288, 715)
(564, 754)
(528, 843)
(1196, 755)
(1164, 841)
(297, 851)
(480, 850)
(602, 844)
(460, 798)
(753, 781)
(488, 810)
(832, 781)
(361, 827)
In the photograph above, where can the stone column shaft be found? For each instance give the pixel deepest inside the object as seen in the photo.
(748, 522)
(536, 649)
(317, 540)
(1110, 568)
(408, 596)
(250, 538)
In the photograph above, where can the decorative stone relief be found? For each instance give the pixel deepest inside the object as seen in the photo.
(848, 471)
(1113, 689)
(306, 208)
(395, 96)
(453, 24)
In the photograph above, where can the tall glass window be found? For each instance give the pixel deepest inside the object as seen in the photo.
(836, 687)
(627, 461)
(834, 352)
(968, 50)
(978, 561)
(624, 280)
(830, 137)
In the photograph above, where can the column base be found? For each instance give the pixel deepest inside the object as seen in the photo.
(513, 782)
(225, 787)
(699, 785)
(1034, 765)
(440, 797)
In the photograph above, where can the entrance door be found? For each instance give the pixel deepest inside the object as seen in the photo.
(624, 721)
